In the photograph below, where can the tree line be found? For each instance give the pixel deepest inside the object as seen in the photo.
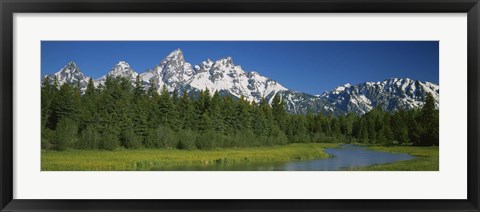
(118, 114)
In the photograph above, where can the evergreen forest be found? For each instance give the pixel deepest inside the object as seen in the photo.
(119, 115)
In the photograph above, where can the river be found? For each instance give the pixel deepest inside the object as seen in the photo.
(346, 156)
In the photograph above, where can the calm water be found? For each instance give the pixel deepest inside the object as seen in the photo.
(346, 156)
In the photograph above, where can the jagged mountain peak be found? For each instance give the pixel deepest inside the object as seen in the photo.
(70, 67)
(175, 55)
(173, 72)
(173, 62)
(121, 69)
(225, 60)
(394, 80)
(175, 58)
(72, 64)
(123, 63)
(70, 73)
(226, 65)
(340, 88)
(177, 51)
(397, 80)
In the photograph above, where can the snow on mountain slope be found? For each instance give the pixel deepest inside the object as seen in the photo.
(172, 71)
(302, 103)
(224, 75)
(121, 69)
(70, 73)
(391, 94)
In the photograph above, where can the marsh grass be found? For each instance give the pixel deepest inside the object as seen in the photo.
(148, 159)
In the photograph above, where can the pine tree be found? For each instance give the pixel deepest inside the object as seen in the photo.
(166, 109)
(364, 132)
(229, 115)
(205, 123)
(152, 89)
(214, 111)
(64, 105)
(259, 125)
(138, 90)
(267, 111)
(203, 101)
(401, 128)
(151, 106)
(430, 122)
(415, 128)
(139, 114)
(244, 116)
(385, 136)
(278, 110)
(55, 82)
(90, 91)
(187, 112)
(47, 97)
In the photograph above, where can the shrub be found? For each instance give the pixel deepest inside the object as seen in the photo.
(152, 139)
(130, 140)
(65, 135)
(47, 138)
(162, 137)
(278, 137)
(186, 139)
(228, 140)
(243, 139)
(109, 140)
(205, 140)
(89, 139)
(168, 138)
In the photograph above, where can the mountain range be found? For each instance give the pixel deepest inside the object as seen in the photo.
(227, 78)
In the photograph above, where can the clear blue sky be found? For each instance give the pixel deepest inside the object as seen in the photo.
(308, 66)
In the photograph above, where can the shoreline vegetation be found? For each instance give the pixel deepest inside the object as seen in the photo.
(147, 159)
(170, 159)
(120, 126)
(427, 159)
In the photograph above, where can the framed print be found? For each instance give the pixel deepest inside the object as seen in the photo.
(261, 105)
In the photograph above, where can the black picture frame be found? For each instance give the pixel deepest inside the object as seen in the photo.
(9, 7)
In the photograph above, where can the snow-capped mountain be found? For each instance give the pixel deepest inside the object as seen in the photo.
(121, 69)
(230, 79)
(173, 72)
(224, 76)
(70, 73)
(301, 103)
(391, 94)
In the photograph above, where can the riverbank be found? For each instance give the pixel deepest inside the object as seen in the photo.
(427, 159)
(163, 159)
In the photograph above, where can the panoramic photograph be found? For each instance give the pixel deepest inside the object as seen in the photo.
(240, 105)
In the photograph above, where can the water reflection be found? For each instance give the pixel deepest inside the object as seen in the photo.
(346, 156)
